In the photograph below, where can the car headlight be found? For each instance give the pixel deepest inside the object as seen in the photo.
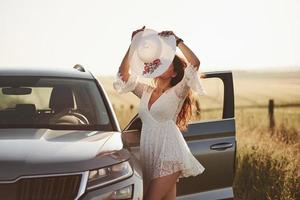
(107, 175)
(124, 193)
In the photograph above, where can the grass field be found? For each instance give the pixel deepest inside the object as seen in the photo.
(267, 160)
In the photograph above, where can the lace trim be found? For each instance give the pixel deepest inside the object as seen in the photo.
(121, 86)
(165, 168)
(192, 76)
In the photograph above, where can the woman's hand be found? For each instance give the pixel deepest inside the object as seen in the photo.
(168, 33)
(136, 31)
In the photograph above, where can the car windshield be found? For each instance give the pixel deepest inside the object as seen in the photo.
(56, 103)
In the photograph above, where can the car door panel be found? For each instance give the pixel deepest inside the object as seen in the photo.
(201, 138)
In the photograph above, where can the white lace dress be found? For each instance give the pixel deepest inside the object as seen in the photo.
(163, 149)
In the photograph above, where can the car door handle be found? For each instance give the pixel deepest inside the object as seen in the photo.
(221, 146)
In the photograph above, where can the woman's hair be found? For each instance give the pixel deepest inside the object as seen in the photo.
(186, 111)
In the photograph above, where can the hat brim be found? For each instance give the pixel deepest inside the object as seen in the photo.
(166, 55)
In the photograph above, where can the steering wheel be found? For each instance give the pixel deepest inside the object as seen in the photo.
(61, 117)
(80, 116)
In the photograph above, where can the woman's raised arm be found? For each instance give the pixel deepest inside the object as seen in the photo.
(126, 82)
(189, 55)
(191, 78)
(124, 67)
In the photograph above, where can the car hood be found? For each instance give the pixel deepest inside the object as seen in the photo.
(26, 152)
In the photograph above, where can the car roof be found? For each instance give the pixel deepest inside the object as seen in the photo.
(45, 71)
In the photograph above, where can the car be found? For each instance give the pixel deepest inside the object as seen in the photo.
(60, 139)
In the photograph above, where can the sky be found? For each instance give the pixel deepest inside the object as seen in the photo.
(224, 34)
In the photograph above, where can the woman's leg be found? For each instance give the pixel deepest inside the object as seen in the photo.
(171, 194)
(160, 187)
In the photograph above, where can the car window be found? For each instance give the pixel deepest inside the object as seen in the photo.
(210, 106)
(52, 102)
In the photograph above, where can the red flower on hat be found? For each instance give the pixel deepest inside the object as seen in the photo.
(150, 67)
(146, 68)
(156, 61)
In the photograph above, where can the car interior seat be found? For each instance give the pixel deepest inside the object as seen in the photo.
(25, 113)
(61, 98)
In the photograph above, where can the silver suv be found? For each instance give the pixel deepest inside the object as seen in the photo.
(60, 139)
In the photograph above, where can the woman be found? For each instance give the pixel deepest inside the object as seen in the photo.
(164, 110)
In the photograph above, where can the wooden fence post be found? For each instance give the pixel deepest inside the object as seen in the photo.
(271, 114)
(131, 107)
(198, 109)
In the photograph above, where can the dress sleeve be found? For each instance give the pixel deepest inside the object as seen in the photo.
(190, 80)
(132, 85)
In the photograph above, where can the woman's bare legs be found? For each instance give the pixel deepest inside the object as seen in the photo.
(161, 187)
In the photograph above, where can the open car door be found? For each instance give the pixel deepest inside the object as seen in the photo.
(212, 142)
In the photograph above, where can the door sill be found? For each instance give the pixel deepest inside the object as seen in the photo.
(223, 193)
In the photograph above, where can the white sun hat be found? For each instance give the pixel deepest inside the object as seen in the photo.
(150, 54)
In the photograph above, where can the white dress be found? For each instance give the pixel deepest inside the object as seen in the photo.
(163, 149)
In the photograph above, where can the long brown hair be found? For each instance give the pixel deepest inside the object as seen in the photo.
(186, 111)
